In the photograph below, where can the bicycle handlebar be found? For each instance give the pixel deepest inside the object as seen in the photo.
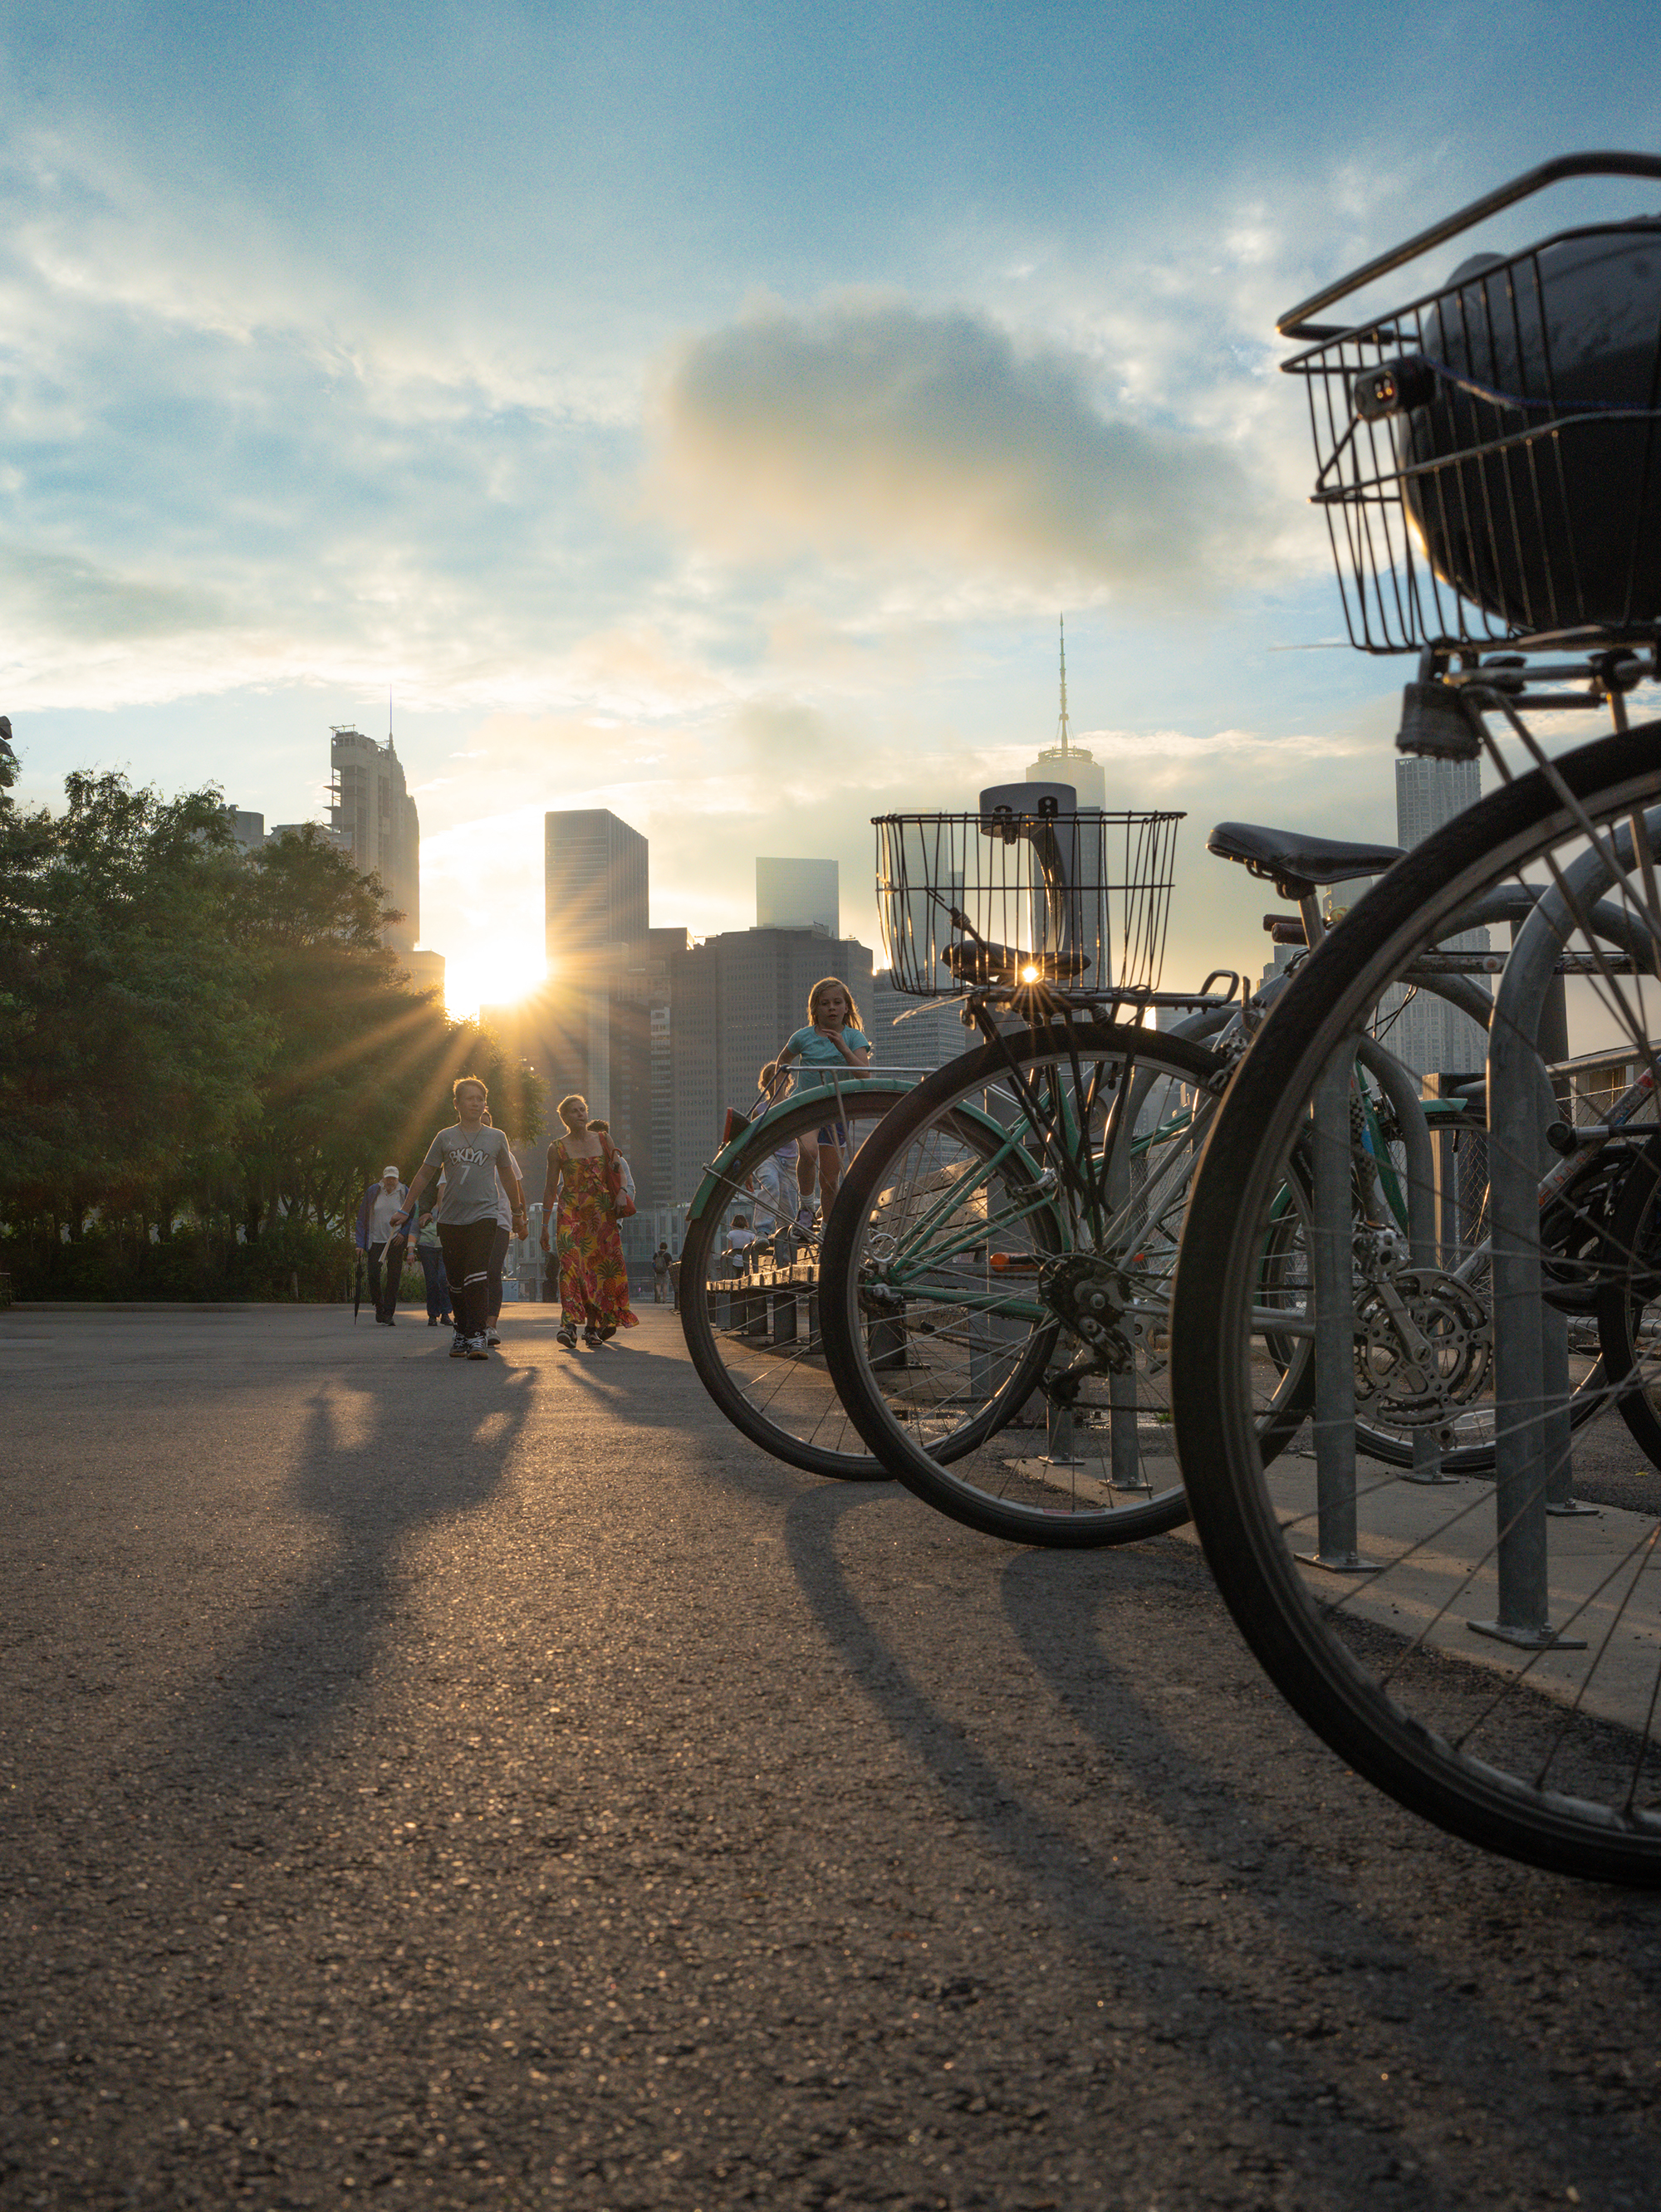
(1293, 324)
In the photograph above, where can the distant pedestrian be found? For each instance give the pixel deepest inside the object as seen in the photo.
(430, 1252)
(499, 1245)
(831, 1040)
(579, 1220)
(674, 1286)
(659, 1274)
(472, 1161)
(739, 1238)
(379, 1216)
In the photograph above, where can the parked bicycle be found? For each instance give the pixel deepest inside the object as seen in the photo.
(1489, 458)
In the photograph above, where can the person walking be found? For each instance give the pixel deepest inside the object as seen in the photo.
(659, 1274)
(472, 1160)
(430, 1252)
(383, 1203)
(832, 1039)
(499, 1244)
(593, 1283)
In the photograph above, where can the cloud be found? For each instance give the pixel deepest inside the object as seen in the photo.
(872, 424)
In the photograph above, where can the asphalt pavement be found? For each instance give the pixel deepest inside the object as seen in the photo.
(452, 1784)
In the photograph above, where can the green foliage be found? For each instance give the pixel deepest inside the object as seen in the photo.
(204, 1057)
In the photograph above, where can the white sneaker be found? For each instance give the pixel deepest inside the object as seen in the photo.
(477, 1348)
(804, 1220)
(492, 1338)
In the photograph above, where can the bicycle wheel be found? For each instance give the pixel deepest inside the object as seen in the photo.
(1629, 1306)
(755, 1339)
(1491, 1663)
(1020, 1208)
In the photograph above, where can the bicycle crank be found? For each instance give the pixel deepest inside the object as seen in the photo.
(1424, 1342)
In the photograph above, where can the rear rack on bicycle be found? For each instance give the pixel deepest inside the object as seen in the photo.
(1028, 889)
(1489, 455)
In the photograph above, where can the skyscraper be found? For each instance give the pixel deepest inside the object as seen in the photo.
(1066, 762)
(798, 894)
(594, 1013)
(1431, 1036)
(595, 878)
(374, 814)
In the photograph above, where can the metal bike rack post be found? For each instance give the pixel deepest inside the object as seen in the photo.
(1124, 1447)
(1332, 1273)
(1530, 1440)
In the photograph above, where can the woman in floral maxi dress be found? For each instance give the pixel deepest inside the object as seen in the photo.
(593, 1283)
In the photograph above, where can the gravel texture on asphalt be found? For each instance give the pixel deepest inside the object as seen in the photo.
(456, 1784)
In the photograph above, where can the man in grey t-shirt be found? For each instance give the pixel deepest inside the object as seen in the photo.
(472, 1159)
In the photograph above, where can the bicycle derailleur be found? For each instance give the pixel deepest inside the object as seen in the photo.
(1091, 1298)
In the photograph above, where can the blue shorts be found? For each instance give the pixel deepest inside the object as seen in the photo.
(833, 1134)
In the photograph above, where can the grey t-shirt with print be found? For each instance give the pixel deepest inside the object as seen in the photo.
(468, 1164)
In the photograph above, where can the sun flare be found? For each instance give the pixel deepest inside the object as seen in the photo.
(495, 975)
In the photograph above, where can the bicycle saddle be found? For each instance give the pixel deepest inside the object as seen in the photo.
(1008, 963)
(1295, 863)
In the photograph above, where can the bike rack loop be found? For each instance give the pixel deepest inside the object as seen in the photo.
(1332, 1269)
(1531, 1394)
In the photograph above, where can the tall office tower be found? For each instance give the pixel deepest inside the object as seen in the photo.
(1066, 762)
(594, 879)
(798, 894)
(377, 818)
(1431, 1036)
(598, 1039)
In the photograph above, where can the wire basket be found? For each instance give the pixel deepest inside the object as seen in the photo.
(1006, 898)
(1488, 457)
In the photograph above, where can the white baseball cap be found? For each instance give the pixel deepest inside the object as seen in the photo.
(385, 1172)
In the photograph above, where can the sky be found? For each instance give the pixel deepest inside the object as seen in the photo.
(707, 412)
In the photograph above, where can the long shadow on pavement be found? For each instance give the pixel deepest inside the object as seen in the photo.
(1194, 1810)
(375, 1467)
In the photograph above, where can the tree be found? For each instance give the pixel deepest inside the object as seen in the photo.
(194, 1039)
(129, 1035)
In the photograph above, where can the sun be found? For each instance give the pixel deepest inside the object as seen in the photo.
(498, 976)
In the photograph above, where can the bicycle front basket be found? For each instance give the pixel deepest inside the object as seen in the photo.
(1004, 897)
(1488, 457)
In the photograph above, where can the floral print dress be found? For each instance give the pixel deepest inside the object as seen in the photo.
(593, 1283)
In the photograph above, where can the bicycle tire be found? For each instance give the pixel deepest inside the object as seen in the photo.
(795, 1415)
(909, 1189)
(1543, 1755)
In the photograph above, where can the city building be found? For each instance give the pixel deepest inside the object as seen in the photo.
(425, 970)
(798, 894)
(1066, 762)
(1433, 1038)
(914, 1033)
(372, 809)
(251, 834)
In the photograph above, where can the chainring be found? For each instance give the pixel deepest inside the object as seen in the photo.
(1458, 1329)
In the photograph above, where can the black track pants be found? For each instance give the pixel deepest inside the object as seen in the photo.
(467, 1263)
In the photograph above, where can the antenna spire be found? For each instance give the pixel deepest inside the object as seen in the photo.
(1063, 725)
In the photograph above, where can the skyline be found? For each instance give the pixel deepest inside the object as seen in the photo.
(709, 422)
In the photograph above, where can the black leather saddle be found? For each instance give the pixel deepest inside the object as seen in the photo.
(1295, 863)
(1007, 964)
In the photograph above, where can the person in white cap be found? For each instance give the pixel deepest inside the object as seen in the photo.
(380, 1235)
